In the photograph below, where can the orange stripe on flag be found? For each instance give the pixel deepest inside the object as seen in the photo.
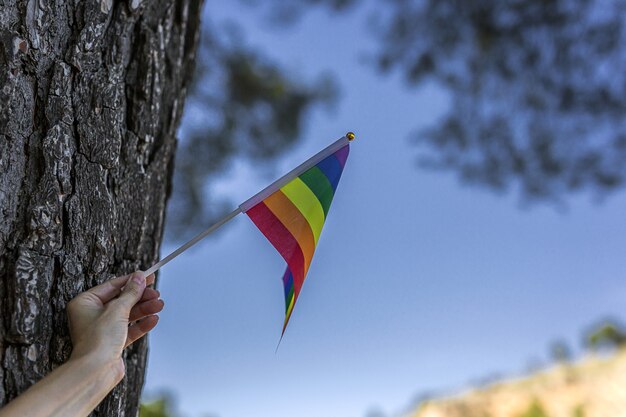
(295, 222)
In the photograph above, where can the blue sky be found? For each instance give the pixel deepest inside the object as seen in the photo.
(420, 283)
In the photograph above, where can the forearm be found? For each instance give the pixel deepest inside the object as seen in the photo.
(74, 389)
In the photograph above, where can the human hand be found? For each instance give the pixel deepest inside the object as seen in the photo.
(103, 321)
(107, 318)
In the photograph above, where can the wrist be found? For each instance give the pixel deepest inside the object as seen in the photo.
(107, 371)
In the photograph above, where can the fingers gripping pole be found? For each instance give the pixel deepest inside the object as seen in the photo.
(193, 241)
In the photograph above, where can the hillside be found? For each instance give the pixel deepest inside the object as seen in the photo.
(593, 387)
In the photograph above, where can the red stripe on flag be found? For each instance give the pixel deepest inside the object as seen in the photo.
(282, 240)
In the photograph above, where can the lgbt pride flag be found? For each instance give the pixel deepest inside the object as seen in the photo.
(292, 211)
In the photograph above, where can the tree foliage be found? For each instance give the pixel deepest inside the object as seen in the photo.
(536, 87)
(560, 351)
(241, 105)
(607, 334)
(159, 407)
(536, 93)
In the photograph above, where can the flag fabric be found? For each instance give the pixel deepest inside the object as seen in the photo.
(292, 212)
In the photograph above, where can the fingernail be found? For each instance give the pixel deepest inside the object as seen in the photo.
(138, 277)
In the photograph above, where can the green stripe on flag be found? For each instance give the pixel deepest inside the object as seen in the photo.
(317, 182)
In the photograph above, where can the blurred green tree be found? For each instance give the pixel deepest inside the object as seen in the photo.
(536, 93)
(536, 87)
(158, 407)
(607, 334)
(534, 410)
(241, 104)
(560, 352)
(579, 411)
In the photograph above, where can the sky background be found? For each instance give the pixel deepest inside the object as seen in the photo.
(420, 283)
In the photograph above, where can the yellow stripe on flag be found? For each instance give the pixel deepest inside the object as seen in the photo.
(308, 204)
(290, 308)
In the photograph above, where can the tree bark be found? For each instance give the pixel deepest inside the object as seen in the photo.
(91, 93)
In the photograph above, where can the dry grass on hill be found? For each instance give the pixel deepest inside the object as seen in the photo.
(593, 387)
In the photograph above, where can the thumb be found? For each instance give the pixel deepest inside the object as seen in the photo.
(133, 290)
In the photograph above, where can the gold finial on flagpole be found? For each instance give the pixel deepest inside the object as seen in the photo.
(350, 136)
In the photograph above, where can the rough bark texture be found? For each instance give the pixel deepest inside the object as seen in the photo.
(91, 93)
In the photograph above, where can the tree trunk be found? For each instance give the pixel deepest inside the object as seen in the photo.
(91, 93)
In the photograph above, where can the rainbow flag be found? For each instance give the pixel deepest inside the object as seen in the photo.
(291, 213)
